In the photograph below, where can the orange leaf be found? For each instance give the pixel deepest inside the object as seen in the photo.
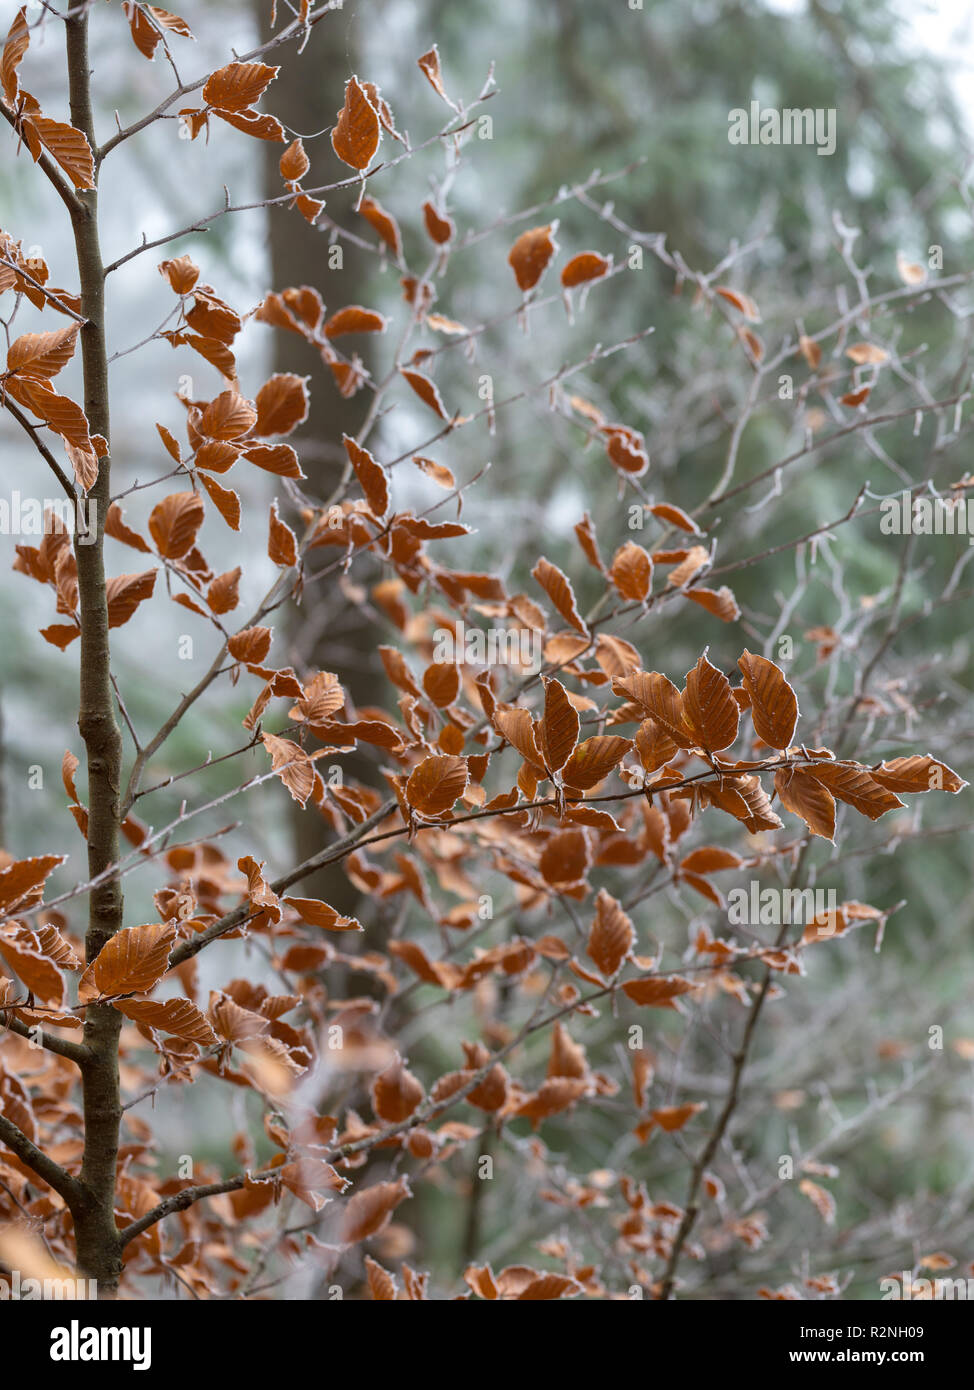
(426, 390)
(558, 588)
(661, 700)
(559, 727)
(396, 1093)
(238, 85)
(587, 265)
(632, 571)
(658, 992)
(42, 355)
(674, 1117)
(250, 645)
(531, 253)
(176, 1016)
(354, 319)
(436, 784)
(802, 794)
(918, 773)
(774, 705)
(292, 765)
(68, 146)
(282, 544)
(430, 64)
(125, 592)
(294, 162)
(228, 416)
(371, 475)
(356, 136)
(719, 602)
(593, 760)
(282, 404)
(710, 706)
(611, 936)
(131, 962)
(383, 222)
(440, 229)
(369, 1211)
(174, 523)
(225, 500)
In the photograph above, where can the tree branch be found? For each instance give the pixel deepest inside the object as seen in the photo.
(62, 1047)
(52, 1173)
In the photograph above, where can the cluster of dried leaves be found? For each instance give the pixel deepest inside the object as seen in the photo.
(597, 765)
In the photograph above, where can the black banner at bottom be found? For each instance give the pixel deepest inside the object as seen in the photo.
(179, 1338)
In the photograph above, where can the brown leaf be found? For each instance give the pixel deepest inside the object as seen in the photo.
(383, 222)
(531, 253)
(225, 500)
(228, 416)
(436, 784)
(426, 391)
(441, 681)
(721, 602)
(565, 857)
(125, 592)
(742, 302)
(611, 936)
(292, 765)
(294, 162)
(371, 475)
(774, 705)
(918, 773)
(131, 962)
(42, 355)
(282, 543)
(587, 265)
(802, 794)
(710, 707)
(282, 404)
(368, 1211)
(382, 1285)
(593, 760)
(559, 726)
(654, 745)
(354, 319)
(658, 992)
(238, 85)
(174, 524)
(396, 1093)
(176, 1016)
(430, 64)
(439, 229)
(356, 136)
(223, 594)
(250, 644)
(661, 700)
(631, 571)
(854, 785)
(673, 1117)
(558, 588)
(517, 726)
(68, 146)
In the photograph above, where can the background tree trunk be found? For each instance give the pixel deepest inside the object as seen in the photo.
(298, 255)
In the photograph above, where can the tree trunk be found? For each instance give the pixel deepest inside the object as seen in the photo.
(99, 1252)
